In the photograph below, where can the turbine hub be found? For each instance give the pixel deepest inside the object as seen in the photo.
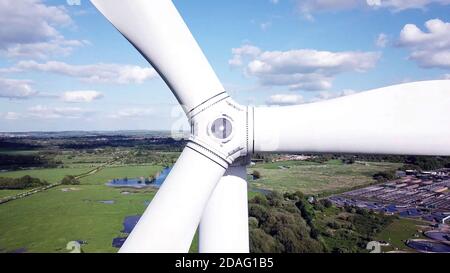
(220, 128)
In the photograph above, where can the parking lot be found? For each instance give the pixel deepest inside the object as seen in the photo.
(415, 194)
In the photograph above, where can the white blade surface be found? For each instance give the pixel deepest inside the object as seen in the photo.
(412, 118)
(171, 219)
(157, 30)
(224, 224)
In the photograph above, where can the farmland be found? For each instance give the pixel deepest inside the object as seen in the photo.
(90, 212)
(399, 231)
(93, 213)
(314, 178)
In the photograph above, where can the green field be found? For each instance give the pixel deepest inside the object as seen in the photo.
(18, 152)
(399, 231)
(314, 178)
(6, 193)
(47, 221)
(50, 175)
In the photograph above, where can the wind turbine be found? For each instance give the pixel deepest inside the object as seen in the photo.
(207, 186)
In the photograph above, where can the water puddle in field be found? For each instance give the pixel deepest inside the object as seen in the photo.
(118, 242)
(20, 250)
(141, 182)
(108, 202)
(128, 225)
(130, 221)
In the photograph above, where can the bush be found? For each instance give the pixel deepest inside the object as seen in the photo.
(315, 233)
(275, 199)
(253, 222)
(278, 226)
(326, 203)
(23, 182)
(261, 242)
(256, 174)
(260, 199)
(333, 225)
(306, 210)
(70, 180)
(384, 176)
(259, 212)
(348, 160)
(295, 196)
(318, 206)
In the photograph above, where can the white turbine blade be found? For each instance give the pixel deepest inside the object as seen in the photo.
(171, 219)
(412, 118)
(158, 31)
(224, 224)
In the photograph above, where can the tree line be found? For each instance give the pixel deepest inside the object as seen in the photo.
(15, 162)
(24, 182)
(292, 223)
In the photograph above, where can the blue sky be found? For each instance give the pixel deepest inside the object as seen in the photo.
(64, 67)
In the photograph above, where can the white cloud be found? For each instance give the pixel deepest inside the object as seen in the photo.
(265, 25)
(28, 29)
(326, 95)
(310, 61)
(42, 50)
(295, 81)
(373, 3)
(309, 7)
(45, 112)
(285, 99)
(81, 96)
(16, 89)
(382, 40)
(274, 1)
(22, 89)
(11, 116)
(242, 54)
(328, 5)
(295, 99)
(398, 5)
(446, 77)
(302, 69)
(429, 48)
(132, 113)
(94, 73)
(437, 35)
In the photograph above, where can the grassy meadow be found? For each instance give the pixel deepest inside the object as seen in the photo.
(314, 178)
(47, 221)
(399, 231)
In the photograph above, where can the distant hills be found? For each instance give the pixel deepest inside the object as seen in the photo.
(63, 134)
